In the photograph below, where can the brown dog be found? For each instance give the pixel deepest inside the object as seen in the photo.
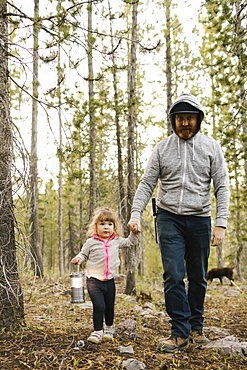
(219, 272)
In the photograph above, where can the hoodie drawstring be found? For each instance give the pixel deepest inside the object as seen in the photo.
(179, 154)
(193, 149)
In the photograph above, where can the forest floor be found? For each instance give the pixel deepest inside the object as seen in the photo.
(56, 330)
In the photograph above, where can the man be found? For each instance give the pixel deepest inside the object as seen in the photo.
(184, 165)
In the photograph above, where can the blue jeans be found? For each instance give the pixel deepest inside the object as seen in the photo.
(102, 294)
(184, 245)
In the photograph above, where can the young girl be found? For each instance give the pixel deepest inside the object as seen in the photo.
(101, 254)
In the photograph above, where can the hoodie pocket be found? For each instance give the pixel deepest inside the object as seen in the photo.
(185, 202)
(192, 201)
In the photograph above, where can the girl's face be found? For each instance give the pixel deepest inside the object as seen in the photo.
(105, 229)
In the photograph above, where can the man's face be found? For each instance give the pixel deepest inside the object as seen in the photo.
(186, 125)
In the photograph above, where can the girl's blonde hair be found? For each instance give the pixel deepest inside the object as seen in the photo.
(104, 214)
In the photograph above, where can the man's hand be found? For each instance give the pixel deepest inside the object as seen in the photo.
(134, 224)
(217, 236)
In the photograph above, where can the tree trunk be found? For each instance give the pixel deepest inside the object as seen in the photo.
(11, 298)
(237, 218)
(60, 175)
(131, 255)
(117, 109)
(72, 244)
(60, 190)
(81, 235)
(168, 64)
(240, 50)
(219, 255)
(34, 216)
(122, 195)
(92, 129)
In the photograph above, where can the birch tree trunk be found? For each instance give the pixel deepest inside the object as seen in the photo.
(131, 255)
(11, 298)
(34, 216)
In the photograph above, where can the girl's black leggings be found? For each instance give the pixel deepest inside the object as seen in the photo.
(102, 295)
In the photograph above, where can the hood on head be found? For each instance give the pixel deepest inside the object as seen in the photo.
(186, 103)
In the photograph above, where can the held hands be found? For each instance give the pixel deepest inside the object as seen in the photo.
(134, 224)
(76, 261)
(217, 236)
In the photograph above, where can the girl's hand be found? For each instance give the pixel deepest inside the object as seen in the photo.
(76, 261)
(134, 224)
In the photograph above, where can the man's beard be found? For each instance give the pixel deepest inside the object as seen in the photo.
(186, 133)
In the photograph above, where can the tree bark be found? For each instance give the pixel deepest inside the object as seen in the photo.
(11, 298)
(219, 255)
(238, 221)
(60, 175)
(34, 216)
(117, 109)
(168, 65)
(92, 129)
(131, 255)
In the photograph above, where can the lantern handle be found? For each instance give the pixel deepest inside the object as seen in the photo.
(75, 268)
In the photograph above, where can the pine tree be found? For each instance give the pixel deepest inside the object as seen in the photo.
(92, 128)
(11, 298)
(34, 219)
(130, 282)
(224, 57)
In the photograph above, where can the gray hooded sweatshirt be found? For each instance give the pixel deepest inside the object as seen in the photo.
(184, 170)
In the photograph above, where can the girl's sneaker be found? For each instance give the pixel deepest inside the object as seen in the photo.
(95, 336)
(108, 333)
